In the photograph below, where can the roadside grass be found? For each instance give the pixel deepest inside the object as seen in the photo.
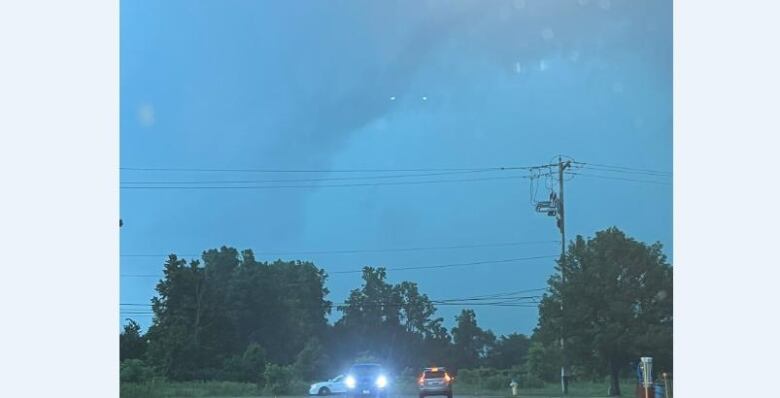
(224, 389)
(165, 389)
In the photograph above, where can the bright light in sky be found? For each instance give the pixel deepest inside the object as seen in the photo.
(146, 115)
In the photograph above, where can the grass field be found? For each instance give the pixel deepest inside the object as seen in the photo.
(230, 389)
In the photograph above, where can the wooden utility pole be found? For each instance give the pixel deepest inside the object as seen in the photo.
(562, 227)
(554, 207)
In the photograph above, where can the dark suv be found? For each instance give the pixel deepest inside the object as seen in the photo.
(435, 381)
(367, 380)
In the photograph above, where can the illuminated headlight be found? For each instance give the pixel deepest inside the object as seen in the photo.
(350, 382)
(381, 381)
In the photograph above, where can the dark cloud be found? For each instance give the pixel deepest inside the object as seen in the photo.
(375, 51)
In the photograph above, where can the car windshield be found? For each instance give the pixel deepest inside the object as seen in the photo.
(434, 375)
(366, 369)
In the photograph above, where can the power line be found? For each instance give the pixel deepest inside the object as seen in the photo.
(310, 179)
(384, 250)
(508, 260)
(369, 305)
(614, 167)
(310, 186)
(508, 301)
(628, 172)
(495, 295)
(620, 178)
(411, 170)
(436, 302)
(356, 271)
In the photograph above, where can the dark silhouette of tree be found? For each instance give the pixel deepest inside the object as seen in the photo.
(132, 344)
(471, 343)
(617, 304)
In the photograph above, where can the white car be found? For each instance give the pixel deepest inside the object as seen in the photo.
(333, 386)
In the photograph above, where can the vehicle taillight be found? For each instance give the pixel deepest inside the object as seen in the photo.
(421, 381)
(447, 378)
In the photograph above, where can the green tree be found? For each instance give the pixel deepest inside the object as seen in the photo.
(543, 362)
(392, 322)
(134, 371)
(206, 316)
(311, 361)
(617, 303)
(278, 379)
(508, 351)
(371, 321)
(437, 344)
(180, 318)
(416, 308)
(471, 343)
(132, 343)
(247, 367)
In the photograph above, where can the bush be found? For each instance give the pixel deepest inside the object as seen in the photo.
(248, 367)
(543, 362)
(311, 361)
(496, 382)
(468, 376)
(253, 363)
(531, 381)
(134, 371)
(278, 379)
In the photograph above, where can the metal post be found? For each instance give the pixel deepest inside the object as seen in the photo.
(667, 392)
(647, 374)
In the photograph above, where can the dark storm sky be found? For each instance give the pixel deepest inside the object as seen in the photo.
(334, 85)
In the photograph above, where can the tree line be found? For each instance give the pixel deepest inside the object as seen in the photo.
(231, 317)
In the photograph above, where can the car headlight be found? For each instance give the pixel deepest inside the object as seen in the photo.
(381, 381)
(350, 382)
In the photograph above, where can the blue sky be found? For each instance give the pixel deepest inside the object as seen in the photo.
(331, 85)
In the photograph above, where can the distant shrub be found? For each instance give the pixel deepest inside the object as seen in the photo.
(253, 364)
(248, 367)
(311, 361)
(531, 381)
(134, 371)
(468, 376)
(496, 382)
(278, 379)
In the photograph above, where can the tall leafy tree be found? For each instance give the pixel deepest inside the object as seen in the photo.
(180, 318)
(416, 308)
(371, 320)
(312, 362)
(471, 343)
(393, 322)
(617, 303)
(509, 351)
(543, 361)
(132, 343)
(437, 344)
(206, 316)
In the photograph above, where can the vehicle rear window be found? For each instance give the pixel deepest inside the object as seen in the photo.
(434, 375)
